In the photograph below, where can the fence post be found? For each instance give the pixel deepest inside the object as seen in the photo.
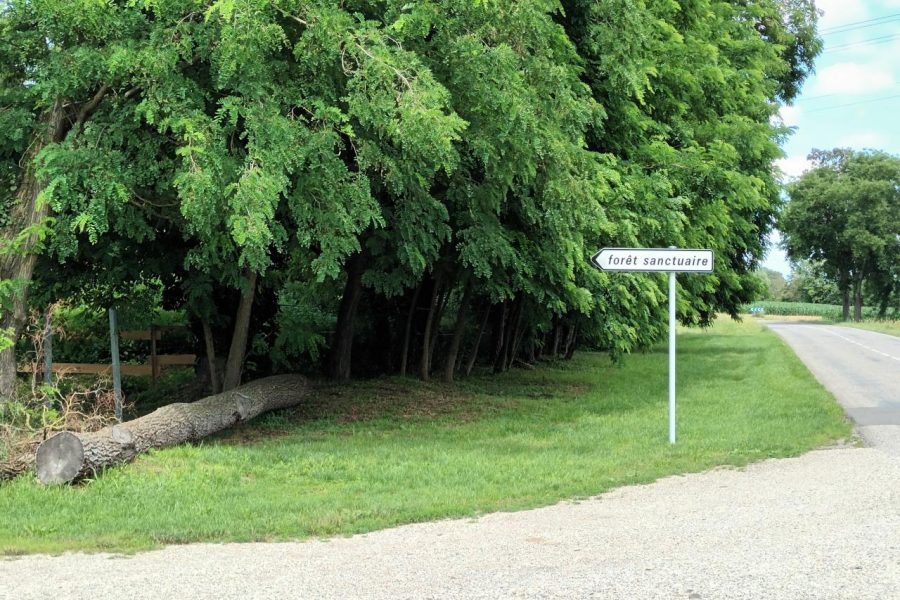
(116, 366)
(48, 347)
(154, 361)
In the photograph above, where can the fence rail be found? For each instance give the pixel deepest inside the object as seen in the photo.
(153, 367)
(162, 360)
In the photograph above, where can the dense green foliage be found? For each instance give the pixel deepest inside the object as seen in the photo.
(845, 212)
(774, 285)
(808, 282)
(378, 453)
(411, 181)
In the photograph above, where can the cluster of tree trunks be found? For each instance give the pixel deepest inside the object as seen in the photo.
(68, 457)
(443, 328)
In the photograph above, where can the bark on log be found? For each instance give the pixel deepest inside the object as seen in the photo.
(68, 457)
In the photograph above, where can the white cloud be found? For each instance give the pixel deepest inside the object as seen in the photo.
(854, 79)
(792, 166)
(841, 12)
(865, 139)
(790, 115)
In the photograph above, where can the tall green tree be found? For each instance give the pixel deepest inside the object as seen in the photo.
(395, 186)
(845, 212)
(250, 128)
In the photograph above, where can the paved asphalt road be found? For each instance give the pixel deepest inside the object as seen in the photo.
(861, 368)
(822, 526)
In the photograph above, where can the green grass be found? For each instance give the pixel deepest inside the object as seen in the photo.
(395, 451)
(890, 327)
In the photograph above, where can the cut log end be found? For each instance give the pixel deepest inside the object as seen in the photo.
(60, 458)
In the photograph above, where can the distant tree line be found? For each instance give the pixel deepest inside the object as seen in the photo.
(390, 187)
(807, 282)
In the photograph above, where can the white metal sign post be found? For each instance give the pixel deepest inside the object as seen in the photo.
(659, 260)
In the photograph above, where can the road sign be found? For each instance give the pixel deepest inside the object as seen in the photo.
(666, 260)
(659, 260)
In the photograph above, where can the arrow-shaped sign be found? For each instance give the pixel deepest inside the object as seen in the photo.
(667, 260)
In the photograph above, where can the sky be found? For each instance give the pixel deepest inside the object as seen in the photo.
(853, 98)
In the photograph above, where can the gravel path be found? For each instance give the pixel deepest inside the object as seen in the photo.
(824, 525)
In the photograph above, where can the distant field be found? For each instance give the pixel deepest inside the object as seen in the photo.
(825, 312)
(829, 312)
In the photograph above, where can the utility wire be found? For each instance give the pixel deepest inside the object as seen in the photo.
(868, 42)
(860, 24)
(821, 96)
(887, 22)
(805, 98)
(826, 108)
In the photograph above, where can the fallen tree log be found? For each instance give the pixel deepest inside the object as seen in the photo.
(67, 457)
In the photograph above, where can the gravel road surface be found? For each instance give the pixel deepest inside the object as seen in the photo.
(861, 368)
(824, 525)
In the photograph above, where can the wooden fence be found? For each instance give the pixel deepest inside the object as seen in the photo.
(153, 367)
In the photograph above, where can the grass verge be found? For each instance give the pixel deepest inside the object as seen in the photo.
(380, 453)
(888, 327)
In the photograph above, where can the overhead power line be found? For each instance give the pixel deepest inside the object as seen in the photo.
(888, 22)
(868, 42)
(827, 108)
(860, 24)
(821, 96)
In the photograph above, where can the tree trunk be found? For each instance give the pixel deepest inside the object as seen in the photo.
(500, 336)
(436, 325)
(474, 356)
(844, 286)
(235, 363)
(845, 309)
(425, 362)
(517, 340)
(513, 335)
(68, 457)
(407, 333)
(570, 349)
(857, 300)
(18, 262)
(458, 330)
(557, 334)
(341, 352)
(570, 339)
(214, 383)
